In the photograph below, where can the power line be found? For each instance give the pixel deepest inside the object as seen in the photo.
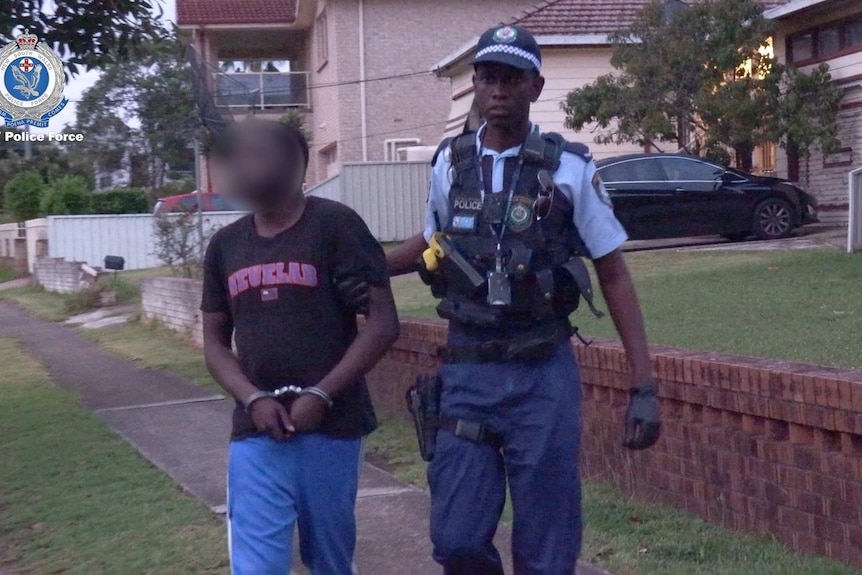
(312, 86)
(389, 133)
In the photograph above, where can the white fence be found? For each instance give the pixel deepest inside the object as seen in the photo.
(90, 238)
(389, 196)
(854, 224)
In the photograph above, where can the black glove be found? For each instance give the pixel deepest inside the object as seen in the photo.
(426, 276)
(643, 422)
(353, 291)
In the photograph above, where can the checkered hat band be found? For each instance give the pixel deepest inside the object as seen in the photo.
(514, 50)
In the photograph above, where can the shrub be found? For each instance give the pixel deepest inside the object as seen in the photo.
(178, 243)
(23, 195)
(83, 300)
(68, 195)
(127, 201)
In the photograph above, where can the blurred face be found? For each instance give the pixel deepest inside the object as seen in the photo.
(504, 93)
(260, 169)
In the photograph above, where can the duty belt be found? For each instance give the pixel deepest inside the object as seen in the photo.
(526, 347)
(472, 430)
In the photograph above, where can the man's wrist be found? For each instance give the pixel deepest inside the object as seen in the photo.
(251, 399)
(320, 393)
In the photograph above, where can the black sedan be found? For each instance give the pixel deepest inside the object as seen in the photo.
(673, 195)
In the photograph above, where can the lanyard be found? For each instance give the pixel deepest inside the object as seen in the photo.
(513, 184)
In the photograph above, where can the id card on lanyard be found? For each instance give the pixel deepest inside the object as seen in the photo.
(494, 213)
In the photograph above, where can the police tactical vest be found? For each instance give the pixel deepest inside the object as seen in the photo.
(527, 227)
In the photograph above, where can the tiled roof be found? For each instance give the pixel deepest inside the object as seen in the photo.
(569, 17)
(204, 12)
(573, 17)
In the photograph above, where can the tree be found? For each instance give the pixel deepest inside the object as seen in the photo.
(22, 195)
(703, 77)
(122, 201)
(144, 109)
(86, 33)
(296, 118)
(66, 196)
(808, 115)
(49, 159)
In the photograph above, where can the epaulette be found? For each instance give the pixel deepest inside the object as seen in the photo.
(579, 149)
(443, 145)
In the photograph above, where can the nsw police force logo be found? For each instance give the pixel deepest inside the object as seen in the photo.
(31, 82)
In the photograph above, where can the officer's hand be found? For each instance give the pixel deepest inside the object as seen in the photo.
(427, 276)
(307, 412)
(643, 422)
(353, 292)
(272, 418)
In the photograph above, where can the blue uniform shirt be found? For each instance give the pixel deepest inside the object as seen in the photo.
(593, 215)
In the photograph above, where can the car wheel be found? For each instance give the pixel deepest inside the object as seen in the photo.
(773, 218)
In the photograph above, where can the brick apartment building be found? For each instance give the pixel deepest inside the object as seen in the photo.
(359, 70)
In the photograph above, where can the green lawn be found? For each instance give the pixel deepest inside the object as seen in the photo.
(77, 499)
(58, 307)
(802, 305)
(626, 536)
(7, 273)
(630, 537)
(38, 302)
(154, 347)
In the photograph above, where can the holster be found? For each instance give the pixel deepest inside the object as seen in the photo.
(423, 403)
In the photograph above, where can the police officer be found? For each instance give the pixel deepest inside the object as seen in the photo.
(510, 212)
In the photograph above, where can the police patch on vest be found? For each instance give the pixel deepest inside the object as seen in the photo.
(520, 216)
(601, 192)
(464, 223)
(468, 204)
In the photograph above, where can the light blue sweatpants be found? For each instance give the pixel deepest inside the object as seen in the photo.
(309, 481)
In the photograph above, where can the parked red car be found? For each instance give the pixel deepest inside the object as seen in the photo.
(212, 202)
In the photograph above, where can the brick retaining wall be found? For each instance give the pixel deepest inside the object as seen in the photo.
(59, 275)
(754, 444)
(175, 303)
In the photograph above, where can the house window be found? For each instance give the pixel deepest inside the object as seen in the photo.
(853, 34)
(322, 39)
(802, 47)
(830, 41)
(328, 161)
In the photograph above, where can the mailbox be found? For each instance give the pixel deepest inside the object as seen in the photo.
(116, 263)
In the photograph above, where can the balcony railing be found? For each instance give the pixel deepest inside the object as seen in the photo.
(262, 90)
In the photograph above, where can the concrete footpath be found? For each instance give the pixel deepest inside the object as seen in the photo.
(183, 429)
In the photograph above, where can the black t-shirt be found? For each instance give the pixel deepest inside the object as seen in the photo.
(290, 326)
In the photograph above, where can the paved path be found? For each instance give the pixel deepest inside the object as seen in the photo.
(183, 429)
(23, 282)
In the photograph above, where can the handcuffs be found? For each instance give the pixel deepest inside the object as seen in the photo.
(293, 390)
